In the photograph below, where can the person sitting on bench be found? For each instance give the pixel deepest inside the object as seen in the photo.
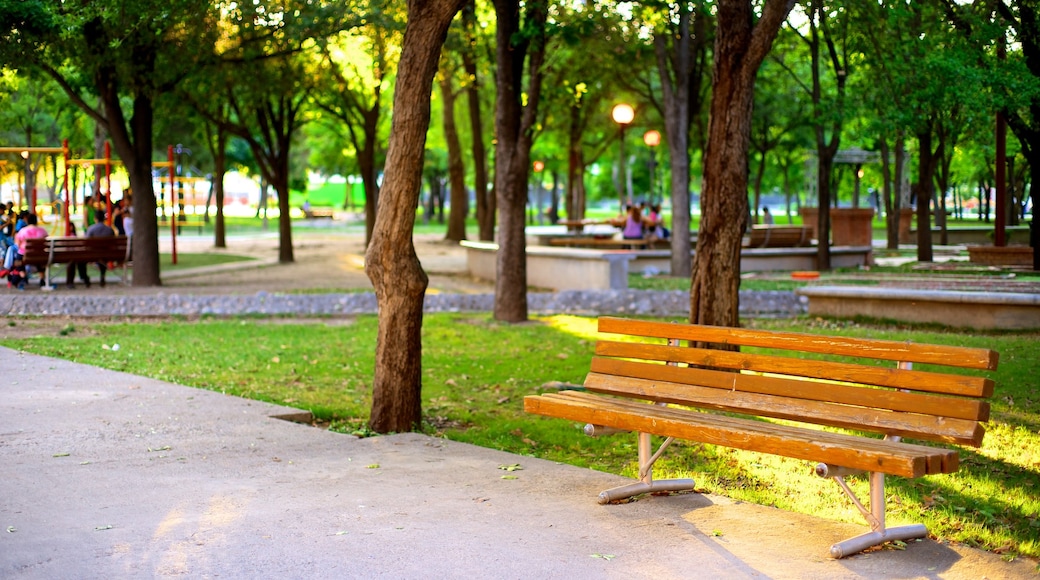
(100, 230)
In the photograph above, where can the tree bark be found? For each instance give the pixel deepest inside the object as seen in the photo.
(925, 194)
(390, 261)
(456, 170)
(514, 122)
(679, 74)
(740, 46)
(219, 171)
(485, 200)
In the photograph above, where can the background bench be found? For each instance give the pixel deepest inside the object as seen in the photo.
(44, 252)
(766, 236)
(313, 214)
(759, 390)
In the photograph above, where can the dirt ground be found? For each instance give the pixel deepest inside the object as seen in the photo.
(324, 262)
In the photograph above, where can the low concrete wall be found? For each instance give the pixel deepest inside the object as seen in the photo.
(979, 310)
(763, 259)
(561, 268)
(557, 268)
(974, 235)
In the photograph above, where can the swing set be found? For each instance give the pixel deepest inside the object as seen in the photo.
(177, 210)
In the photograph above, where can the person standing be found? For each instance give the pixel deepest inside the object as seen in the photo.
(767, 218)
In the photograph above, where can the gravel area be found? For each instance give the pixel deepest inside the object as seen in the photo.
(631, 302)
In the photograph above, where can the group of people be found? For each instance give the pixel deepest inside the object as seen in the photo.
(642, 221)
(19, 226)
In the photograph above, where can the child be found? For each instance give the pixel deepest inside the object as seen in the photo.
(17, 276)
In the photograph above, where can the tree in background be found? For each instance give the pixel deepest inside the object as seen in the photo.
(741, 44)
(358, 69)
(681, 42)
(485, 199)
(521, 48)
(128, 53)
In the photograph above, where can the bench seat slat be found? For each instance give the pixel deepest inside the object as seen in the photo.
(798, 388)
(818, 412)
(834, 448)
(931, 382)
(955, 356)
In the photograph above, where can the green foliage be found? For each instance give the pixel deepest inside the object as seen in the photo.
(476, 372)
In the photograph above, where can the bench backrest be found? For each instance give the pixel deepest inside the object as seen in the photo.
(890, 400)
(60, 250)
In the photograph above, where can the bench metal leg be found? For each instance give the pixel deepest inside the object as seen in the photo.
(646, 483)
(879, 534)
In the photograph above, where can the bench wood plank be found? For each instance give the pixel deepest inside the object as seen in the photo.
(955, 356)
(818, 412)
(930, 382)
(833, 448)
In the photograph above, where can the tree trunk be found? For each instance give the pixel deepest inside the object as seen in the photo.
(390, 261)
(136, 153)
(456, 170)
(925, 193)
(740, 47)
(574, 204)
(514, 123)
(889, 196)
(281, 185)
(219, 170)
(679, 85)
(486, 207)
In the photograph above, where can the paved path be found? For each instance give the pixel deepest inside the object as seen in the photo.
(110, 475)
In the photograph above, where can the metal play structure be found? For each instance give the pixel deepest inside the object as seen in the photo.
(177, 201)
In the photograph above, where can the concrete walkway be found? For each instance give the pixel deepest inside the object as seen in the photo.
(110, 475)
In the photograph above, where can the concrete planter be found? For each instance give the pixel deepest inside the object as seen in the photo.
(1001, 255)
(850, 226)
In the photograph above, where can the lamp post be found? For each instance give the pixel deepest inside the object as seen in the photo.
(27, 189)
(652, 139)
(623, 114)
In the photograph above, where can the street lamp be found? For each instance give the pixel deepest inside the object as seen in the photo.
(623, 114)
(652, 139)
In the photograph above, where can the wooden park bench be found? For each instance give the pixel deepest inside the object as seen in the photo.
(771, 402)
(769, 236)
(314, 214)
(44, 252)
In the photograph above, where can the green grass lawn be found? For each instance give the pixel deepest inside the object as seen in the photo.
(476, 372)
(193, 260)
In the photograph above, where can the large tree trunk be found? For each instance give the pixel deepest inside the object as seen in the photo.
(740, 46)
(133, 144)
(514, 123)
(456, 170)
(390, 262)
(136, 153)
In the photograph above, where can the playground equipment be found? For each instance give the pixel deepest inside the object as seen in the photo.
(25, 152)
(181, 207)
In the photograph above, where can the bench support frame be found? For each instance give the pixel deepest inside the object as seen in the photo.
(875, 517)
(646, 483)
